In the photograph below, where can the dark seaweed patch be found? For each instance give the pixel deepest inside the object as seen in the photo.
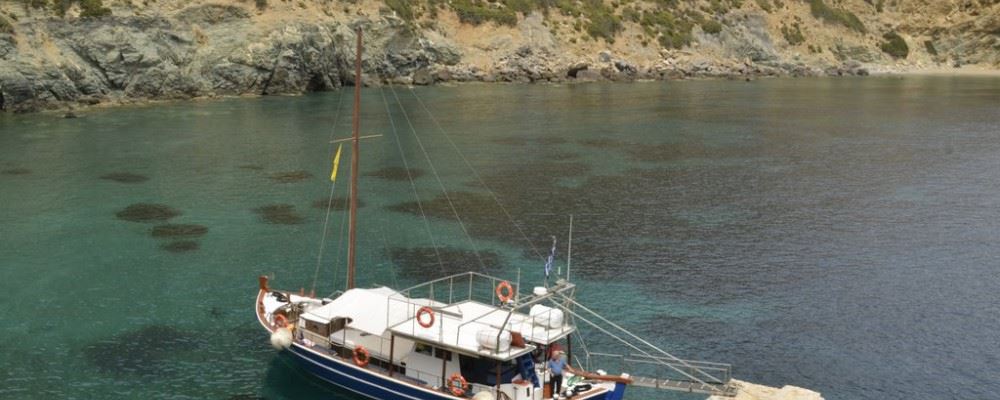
(421, 261)
(125, 177)
(526, 140)
(180, 246)
(602, 143)
(563, 156)
(338, 204)
(146, 212)
(16, 171)
(144, 352)
(281, 214)
(512, 140)
(397, 173)
(176, 230)
(290, 177)
(550, 140)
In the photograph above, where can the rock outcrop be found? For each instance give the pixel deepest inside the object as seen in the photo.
(752, 391)
(196, 48)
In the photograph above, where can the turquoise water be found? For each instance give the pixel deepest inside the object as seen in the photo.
(836, 234)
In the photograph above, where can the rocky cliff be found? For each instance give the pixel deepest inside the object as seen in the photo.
(57, 54)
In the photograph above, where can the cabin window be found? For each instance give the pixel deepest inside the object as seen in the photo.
(424, 349)
(442, 354)
(318, 328)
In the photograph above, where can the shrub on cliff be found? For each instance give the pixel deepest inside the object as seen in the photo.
(832, 15)
(6, 26)
(895, 45)
(93, 9)
(793, 34)
(711, 26)
(476, 12)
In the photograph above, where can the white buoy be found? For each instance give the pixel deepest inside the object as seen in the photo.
(281, 339)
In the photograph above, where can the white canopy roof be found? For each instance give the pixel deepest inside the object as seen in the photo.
(369, 310)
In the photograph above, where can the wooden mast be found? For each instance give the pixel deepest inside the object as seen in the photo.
(352, 230)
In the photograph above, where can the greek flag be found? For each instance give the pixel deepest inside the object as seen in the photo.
(552, 256)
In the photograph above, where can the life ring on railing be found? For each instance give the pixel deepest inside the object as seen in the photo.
(505, 292)
(457, 384)
(425, 311)
(280, 320)
(361, 356)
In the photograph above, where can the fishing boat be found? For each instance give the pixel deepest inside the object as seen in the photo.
(467, 335)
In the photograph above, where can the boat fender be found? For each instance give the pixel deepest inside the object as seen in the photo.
(425, 311)
(281, 338)
(457, 384)
(483, 396)
(361, 356)
(280, 321)
(505, 292)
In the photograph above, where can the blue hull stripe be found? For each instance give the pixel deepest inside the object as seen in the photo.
(376, 386)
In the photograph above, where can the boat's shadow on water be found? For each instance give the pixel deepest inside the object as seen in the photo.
(286, 379)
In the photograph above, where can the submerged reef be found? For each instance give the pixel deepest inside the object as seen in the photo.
(147, 212)
(397, 173)
(125, 177)
(280, 214)
(181, 246)
(178, 230)
(290, 176)
(143, 352)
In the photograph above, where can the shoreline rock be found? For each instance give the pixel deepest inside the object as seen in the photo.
(208, 50)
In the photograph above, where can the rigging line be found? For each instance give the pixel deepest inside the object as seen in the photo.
(478, 177)
(437, 177)
(409, 176)
(322, 242)
(385, 247)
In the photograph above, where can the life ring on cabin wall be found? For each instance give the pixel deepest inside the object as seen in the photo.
(457, 384)
(361, 356)
(425, 311)
(280, 321)
(505, 292)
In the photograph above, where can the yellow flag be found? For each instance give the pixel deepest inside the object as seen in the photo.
(336, 163)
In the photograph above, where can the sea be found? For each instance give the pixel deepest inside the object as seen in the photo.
(837, 234)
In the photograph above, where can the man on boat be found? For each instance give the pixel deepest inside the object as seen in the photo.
(556, 365)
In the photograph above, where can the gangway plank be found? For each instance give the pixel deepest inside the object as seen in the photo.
(685, 386)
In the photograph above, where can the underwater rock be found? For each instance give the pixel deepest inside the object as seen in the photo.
(601, 143)
(125, 177)
(175, 230)
(290, 177)
(16, 171)
(280, 214)
(144, 352)
(146, 212)
(420, 261)
(181, 246)
(397, 173)
(338, 204)
(512, 140)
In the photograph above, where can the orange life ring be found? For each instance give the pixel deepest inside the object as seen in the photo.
(505, 292)
(281, 321)
(457, 384)
(425, 311)
(361, 356)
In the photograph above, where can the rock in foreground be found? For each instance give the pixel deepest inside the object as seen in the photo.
(752, 391)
